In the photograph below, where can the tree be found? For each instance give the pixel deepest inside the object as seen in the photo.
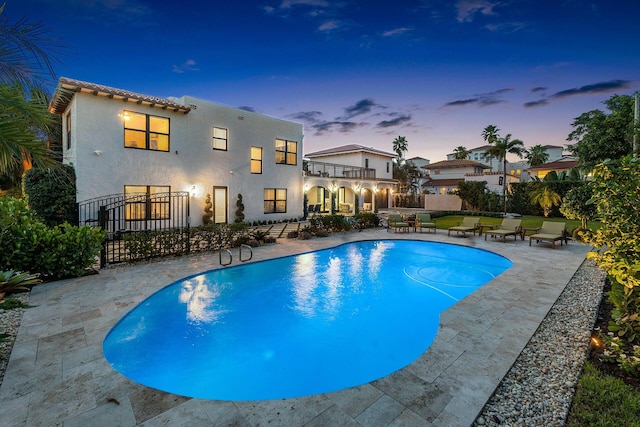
(400, 145)
(546, 198)
(576, 204)
(490, 136)
(499, 148)
(409, 176)
(460, 153)
(537, 155)
(24, 116)
(599, 136)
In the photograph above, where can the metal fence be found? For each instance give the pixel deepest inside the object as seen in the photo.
(139, 225)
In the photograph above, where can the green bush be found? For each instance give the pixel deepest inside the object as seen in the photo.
(52, 194)
(617, 242)
(52, 252)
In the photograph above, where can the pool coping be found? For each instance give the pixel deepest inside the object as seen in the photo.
(57, 374)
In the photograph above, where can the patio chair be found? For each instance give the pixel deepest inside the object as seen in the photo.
(550, 232)
(468, 224)
(509, 227)
(396, 222)
(423, 220)
(311, 208)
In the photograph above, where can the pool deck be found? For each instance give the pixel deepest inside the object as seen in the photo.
(58, 376)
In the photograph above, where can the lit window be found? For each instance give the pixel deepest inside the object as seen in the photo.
(275, 200)
(144, 202)
(286, 152)
(146, 132)
(220, 138)
(256, 160)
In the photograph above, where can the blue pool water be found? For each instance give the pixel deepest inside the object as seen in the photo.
(298, 325)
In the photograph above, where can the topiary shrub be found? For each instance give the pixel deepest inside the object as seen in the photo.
(239, 210)
(207, 218)
(52, 194)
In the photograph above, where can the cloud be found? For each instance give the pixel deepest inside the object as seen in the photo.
(538, 89)
(289, 3)
(247, 108)
(533, 104)
(394, 122)
(329, 26)
(188, 65)
(601, 87)
(363, 106)
(505, 27)
(342, 127)
(468, 9)
(396, 31)
(482, 100)
(307, 116)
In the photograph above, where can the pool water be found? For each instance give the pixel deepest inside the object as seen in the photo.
(299, 325)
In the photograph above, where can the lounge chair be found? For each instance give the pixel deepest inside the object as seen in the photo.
(395, 221)
(550, 232)
(468, 224)
(423, 220)
(509, 227)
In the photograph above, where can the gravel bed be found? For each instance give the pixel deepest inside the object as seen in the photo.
(540, 386)
(9, 324)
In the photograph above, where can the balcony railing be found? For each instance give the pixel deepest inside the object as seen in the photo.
(332, 170)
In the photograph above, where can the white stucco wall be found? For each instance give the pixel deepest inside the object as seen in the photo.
(190, 161)
(376, 161)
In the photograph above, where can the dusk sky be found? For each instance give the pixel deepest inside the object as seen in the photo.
(362, 72)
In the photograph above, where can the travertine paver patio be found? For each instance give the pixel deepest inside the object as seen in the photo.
(58, 376)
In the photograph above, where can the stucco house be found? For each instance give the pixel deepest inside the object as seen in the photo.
(445, 175)
(347, 171)
(122, 142)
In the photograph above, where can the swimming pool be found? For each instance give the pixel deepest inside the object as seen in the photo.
(299, 325)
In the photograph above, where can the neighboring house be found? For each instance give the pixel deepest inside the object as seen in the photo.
(445, 175)
(517, 168)
(346, 171)
(564, 164)
(121, 142)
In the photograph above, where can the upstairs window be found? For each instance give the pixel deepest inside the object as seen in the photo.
(146, 132)
(220, 138)
(286, 152)
(256, 160)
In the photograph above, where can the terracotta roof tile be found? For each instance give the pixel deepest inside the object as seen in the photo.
(68, 87)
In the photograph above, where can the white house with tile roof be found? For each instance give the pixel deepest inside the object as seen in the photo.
(346, 171)
(121, 142)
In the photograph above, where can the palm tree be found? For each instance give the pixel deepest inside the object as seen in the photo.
(490, 136)
(400, 146)
(25, 120)
(546, 198)
(499, 148)
(537, 155)
(460, 153)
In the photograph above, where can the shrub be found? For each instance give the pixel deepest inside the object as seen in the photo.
(207, 217)
(57, 252)
(52, 194)
(617, 242)
(15, 281)
(239, 210)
